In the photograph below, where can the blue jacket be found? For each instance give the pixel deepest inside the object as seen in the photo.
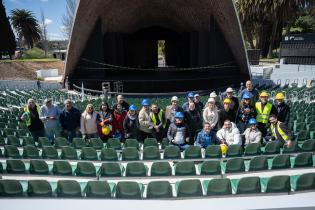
(204, 140)
(70, 120)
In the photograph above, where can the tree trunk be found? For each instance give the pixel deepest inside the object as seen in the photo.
(273, 37)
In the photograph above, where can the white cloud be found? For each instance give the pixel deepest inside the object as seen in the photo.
(48, 21)
(44, 0)
(55, 36)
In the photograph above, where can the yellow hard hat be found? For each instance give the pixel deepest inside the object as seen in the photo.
(280, 96)
(224, 148)
(227, 101)
(105, 130)
(264, 94)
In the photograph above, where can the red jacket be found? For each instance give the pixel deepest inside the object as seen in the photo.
(118, 121)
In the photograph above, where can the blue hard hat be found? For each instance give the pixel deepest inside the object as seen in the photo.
(145, 102)
(179, 115)
(132, 108)
(252, 121)
(247, 95)
(190, 95)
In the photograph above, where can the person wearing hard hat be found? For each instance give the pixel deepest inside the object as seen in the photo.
(252, 134)
(158, 119)
(229, 134)
(245, 112)
(105, 126)
(280, 132)
(250, 89)
(178, 132)
(226, 113)
(217, 103)
(131, 123)
(146, 125)
(210, 114)
(206, 137)
(171, 110)
(191, 98)
(198, 101)
(264, 109)
(282, 108)
(234, 100)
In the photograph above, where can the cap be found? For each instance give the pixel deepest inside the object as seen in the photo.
(179, 115)
(132, 108)
(213, 95)
(190, 95)
(264, 94)
(174, 98)
(196, 95)
(247, 95)
(145, 102)
(211, 100)
(280, 96)
(252, 121)
(227, 101)
(229, 90)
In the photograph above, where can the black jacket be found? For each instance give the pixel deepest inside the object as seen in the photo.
(70, 120)
(224, 115)
(283, 112)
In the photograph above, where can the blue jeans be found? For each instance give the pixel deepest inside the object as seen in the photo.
(72, 134)
(182, 147)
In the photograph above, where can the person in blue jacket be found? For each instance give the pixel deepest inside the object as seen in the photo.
(206, 137)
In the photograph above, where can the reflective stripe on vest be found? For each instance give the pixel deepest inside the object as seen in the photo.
(152, 115)
(281, 132)
(27, 111)
(263, 115)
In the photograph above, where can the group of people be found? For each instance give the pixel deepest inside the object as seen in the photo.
(193, 123)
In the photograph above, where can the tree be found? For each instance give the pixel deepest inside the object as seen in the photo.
(7, 38)
(26, 26)
(44, 32)
(68, 17)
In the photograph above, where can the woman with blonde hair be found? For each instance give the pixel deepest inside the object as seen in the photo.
(89, 121)
(210, 113)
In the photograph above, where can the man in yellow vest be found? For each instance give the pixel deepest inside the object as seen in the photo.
(280, 132)
(264, 109)
(159, 121)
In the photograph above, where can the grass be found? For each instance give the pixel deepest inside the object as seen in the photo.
(30, 60)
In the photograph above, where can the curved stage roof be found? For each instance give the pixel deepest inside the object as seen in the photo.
(203, 38)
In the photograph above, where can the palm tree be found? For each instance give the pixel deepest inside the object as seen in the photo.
(26, 26)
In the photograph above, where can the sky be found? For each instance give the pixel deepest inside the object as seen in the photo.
(53, 10)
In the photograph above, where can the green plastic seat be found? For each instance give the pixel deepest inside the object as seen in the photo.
(39, 188)
(159, 189)
(27, 140)
(38, 167)
(151, 153)
(136, 169)
(49, 152)
(235, 165)
(281, 162)
(9, 131)
(213, 151)
(211, 167)
(11, 152)
(78, 143)
(305, 182)
(2, 141)
(85, 169)
(43, 142)
(165, 142)
(185, 169)
(110, 170)
(293, 149)
(172, 152)
(15, 166)
(271, 148)
(278, 184)
(252, 149)
(192, 152)
(13, 140)
(68, 189)
(303, 160)
(113, 143)
(62, 168)
(1, 168)
(68, 153)
(234, 150)
(61, 142)
(10, 188)
(108, 154)
(248, 185)
(299, 126)
(131, 143)
(219, 187)
(88, 153)
(302, 135)
(96, 143)
(161, 169)
(308, 146)
(97, 189)
(22, 132)
(150, 142)
(130, 153)
(258, 163)
(30, 152)
(189, 188)
(128, 190)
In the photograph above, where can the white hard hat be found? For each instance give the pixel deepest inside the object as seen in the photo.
(196, 95)
(211, 100)
(229, 90)
(174, 98)
(213, 95)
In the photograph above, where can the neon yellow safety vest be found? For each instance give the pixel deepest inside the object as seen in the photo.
(152, 116)
(27, 111)
(284, 136)
(263, 115)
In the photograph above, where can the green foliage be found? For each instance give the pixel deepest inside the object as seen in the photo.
(306, 24)
(7, 38)
(35, 53)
